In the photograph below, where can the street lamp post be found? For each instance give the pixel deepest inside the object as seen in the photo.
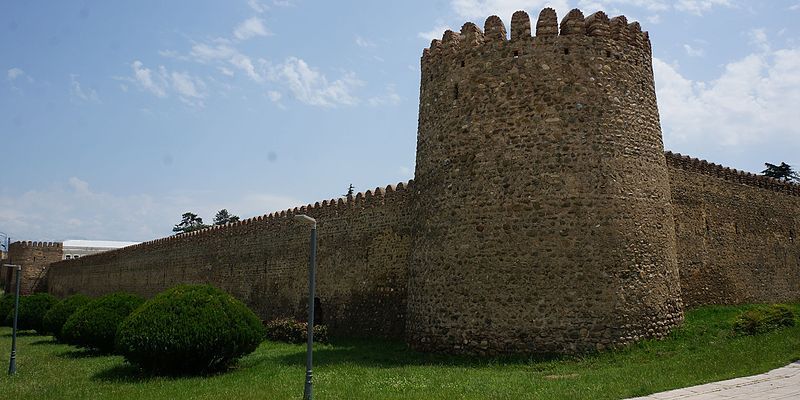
(12, 364)
(308, 390)
(7, 282)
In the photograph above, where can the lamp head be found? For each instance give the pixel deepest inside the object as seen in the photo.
(302, 218)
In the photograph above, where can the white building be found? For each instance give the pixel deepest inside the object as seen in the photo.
(78, 248)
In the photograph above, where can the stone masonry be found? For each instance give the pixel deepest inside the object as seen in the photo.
(544, 217)
(540, 166)
(36, 257)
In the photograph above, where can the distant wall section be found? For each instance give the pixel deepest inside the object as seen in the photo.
(737, 234)
(361, 277)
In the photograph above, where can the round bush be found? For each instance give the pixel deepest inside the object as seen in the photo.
(763, 319)
(32, 310)
(189, 329)
(55, 318)
(95, 324)
(6, 306)
(293, 331)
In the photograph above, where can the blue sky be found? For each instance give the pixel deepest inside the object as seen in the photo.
(116, 117)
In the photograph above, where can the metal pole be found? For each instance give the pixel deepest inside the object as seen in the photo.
(12, 364)
(308, 392)
(8, 259)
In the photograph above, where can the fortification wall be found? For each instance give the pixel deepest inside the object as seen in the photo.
(362, 264)
(542, 221)
(736, 234)
(35, 258)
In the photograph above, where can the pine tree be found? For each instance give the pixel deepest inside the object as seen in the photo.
(224, 217)
(350, 191)
(782, 172)
(189, 222)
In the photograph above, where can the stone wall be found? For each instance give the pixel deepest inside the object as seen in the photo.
(361, 277)
(35, 257)
(736, 234)
(542, 221)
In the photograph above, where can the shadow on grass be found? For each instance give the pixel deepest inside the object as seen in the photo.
(123, 373)
(81, 353)
(43, 342)
(396, 354)
(23, 334)
(128, 373)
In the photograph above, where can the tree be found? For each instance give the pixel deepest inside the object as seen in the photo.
(224, 217)
(782, 172)
(350, 191)
(189, 222)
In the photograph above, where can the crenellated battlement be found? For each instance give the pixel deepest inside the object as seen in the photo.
(30, 244)
(548, 32)
(704, 167)
(361, 200)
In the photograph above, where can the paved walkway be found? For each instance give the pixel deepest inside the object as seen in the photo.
(782, 383)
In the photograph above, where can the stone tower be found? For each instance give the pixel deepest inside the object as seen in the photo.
(542, 219)
(35, 258)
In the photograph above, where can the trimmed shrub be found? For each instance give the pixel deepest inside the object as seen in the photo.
(189, 329)
(55, 318)
(32, 309)
(764, 319)
(291, 331)
(94, 325)
(6, 306)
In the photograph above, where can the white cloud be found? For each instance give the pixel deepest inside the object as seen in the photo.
(15, 73)
(204, 52)
(73, 210)
(476, 9)
(435, 33)
(697, 7)
(250, 28)
(257, 6)
(311, 87)
(189, 88)
(609, 5)
(222, 52)
(225, 71)
(693, 51)
(389, 98)
(169, 54)
(78, 93)
(244, 63)
(361, 42)
(147, 80)
(274, 96)
(758, 38)
(752, 105)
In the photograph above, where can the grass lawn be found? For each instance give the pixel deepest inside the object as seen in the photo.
(703, 350)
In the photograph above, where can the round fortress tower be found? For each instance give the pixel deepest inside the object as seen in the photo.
(542, 217)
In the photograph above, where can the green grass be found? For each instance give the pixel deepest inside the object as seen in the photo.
(703, 350)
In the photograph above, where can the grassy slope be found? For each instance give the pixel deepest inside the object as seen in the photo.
(701, 351)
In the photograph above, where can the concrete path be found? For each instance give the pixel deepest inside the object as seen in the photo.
(782, 383)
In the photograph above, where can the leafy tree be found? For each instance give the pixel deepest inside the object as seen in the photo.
(224, 217)
(189, 222)
(782, 172)
(350, 190)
